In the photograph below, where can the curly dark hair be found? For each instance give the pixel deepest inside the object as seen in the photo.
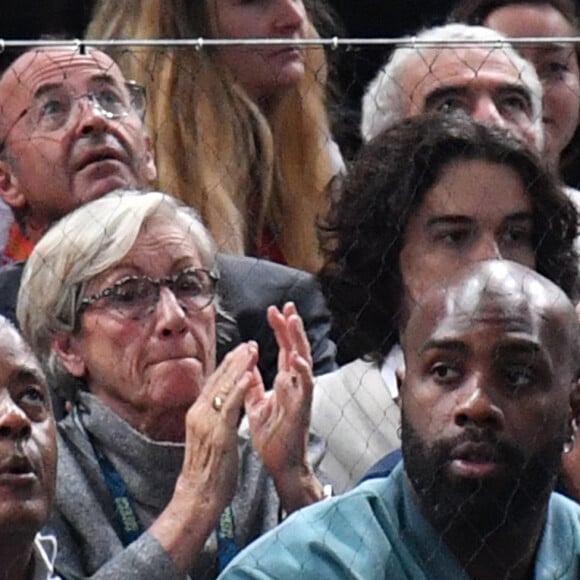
(363, 234)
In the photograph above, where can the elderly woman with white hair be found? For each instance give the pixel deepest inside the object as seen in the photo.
(119, 301)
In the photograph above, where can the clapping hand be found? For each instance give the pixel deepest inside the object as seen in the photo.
(280, 422)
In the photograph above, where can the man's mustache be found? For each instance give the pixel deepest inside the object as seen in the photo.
(500, 451)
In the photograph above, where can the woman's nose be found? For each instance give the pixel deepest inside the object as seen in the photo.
(290, 15)
(171, 316)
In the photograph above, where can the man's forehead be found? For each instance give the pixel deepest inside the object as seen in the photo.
(511, 312)
(518, 304)
(472, 58)
(444, 324)
(54, 65)
(478, 68)
(14, 352)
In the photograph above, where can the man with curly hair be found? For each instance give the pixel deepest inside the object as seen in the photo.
(429, 196)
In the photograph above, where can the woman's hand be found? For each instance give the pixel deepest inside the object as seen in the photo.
(279, 423)
(211, 440)
(209, 475)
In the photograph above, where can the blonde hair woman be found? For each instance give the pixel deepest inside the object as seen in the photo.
(240, 133)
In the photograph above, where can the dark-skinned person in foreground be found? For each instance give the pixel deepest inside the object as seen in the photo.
(27, 462)
(489, 401)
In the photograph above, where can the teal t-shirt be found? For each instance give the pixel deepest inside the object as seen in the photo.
(375, 531)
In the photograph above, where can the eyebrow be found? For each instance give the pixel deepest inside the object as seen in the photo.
(104, 78)
(26, 374)
(98, 78)
(452, 219)
(46, 88)
(515, 88)
(521, 218)
(553, 46)
(131, 269)
(456, 346)
(443, 220)
(516, 346)
(445, 91)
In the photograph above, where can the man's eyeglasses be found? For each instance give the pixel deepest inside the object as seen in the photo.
(136, 297)
(54, 108)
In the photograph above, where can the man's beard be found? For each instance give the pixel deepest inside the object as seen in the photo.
(487, 504)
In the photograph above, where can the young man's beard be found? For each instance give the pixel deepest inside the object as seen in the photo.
(484, 505)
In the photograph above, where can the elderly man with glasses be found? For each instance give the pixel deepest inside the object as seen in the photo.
(60, 149)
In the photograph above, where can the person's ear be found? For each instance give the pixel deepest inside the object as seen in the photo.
(400, 376)
(66, 348)
(9, 186)
(149, 162)
(575, 403)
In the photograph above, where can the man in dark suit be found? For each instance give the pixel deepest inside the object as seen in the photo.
(71, 130)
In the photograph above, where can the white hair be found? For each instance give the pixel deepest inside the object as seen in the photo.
(385, 104)
(84, 244)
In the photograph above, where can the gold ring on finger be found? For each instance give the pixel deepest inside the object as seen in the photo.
(217, 403)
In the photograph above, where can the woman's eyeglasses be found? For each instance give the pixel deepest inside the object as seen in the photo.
(137, 296)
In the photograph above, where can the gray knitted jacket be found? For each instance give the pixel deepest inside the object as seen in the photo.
(84, 519)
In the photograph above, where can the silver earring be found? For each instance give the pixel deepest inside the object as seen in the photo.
(569, 445)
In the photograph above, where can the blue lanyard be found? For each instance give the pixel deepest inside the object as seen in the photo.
(130, 528)
(127, 520)
(226, 538)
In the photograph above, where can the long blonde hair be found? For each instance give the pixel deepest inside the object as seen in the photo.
(215, 149)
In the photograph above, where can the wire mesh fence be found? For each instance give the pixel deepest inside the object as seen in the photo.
(254, 150)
